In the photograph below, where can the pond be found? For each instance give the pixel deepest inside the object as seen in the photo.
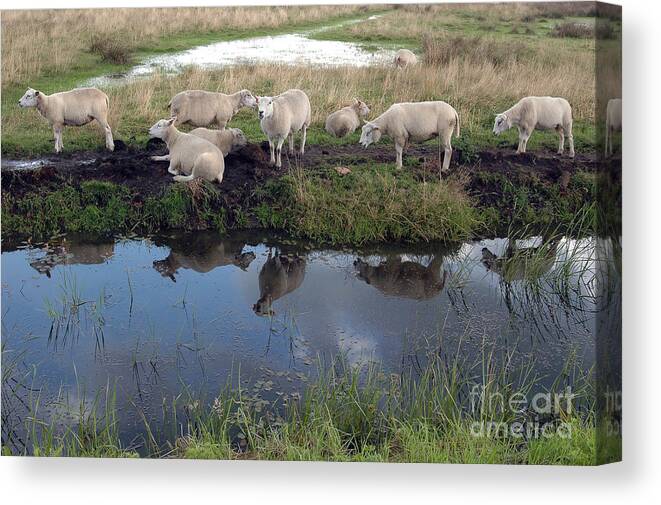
(286, 49)
(153, 317)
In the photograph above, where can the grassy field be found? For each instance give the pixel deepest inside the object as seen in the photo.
(481, 60)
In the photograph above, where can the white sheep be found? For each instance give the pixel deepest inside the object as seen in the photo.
(203, 108)
(189, 154)
(414, 122)
(613, 122)
(281, 117)
(71, 108)
(227, 140)
(541, 112)
(345, 121)
(405, 58)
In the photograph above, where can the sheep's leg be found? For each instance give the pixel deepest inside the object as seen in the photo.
(305, 136)
(518, 148)
(291, 142)
(272, 151)
(173, 169)
(524, 141)
(110, 144)
(561, 146)
(184, 178)
(57, 133)
(445, 141)
(570, 137)
(279, 152)
(165, 157)
(447, 156)
(398, 150)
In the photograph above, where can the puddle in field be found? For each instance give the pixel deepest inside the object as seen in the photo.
(153, 317)
(22, 165)
(286, 49)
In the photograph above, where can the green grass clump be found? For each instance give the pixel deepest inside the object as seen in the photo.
(106, 208)
(371, 204)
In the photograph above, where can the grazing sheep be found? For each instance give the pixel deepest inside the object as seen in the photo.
(613, 122)
(345, 121)
(404, 279)
(405, 58)
(279, 276)
(541, 112)
(203, 108)
(71, 108)
(281, 117)
(414, 122)
(189, 154)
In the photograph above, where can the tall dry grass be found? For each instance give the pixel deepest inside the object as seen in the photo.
(473, 85)
(34, 42)
(413, 21)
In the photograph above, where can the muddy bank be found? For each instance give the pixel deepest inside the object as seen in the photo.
(250, 166)
(127, 191)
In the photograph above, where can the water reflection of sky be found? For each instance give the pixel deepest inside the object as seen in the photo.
(285, 49)
(197, 331)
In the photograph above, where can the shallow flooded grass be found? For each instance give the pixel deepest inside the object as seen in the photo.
(350, 413)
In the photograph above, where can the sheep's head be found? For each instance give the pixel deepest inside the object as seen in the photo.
(161, 127)
(501, 124)
(265, 106)
(247, 99)
(370, 135)
(165, 268)
(239, 138)
(244, 260)
(263, 306)
(361, 107)
(30, 98)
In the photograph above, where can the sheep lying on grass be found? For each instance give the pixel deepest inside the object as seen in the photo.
(281, 117)
(345, 121)
(189, 154)
(613, 122)
(228, 140)
(414, 122)
(71, 108)
(405, 58)
(541, 112)
(203, 108)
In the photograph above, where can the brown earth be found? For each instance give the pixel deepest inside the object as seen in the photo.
(249, 167)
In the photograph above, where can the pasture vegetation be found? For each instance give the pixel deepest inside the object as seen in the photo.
(480, 59)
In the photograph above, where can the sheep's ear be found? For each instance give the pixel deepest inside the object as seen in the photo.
(172, 119)
(36, 93)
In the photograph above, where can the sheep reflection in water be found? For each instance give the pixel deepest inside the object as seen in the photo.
(404, 279)
(526, 263)
(279, 276)
(71, 251)
(202, 253)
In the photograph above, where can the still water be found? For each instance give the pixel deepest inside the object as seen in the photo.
(286, 49)
(153, 317)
